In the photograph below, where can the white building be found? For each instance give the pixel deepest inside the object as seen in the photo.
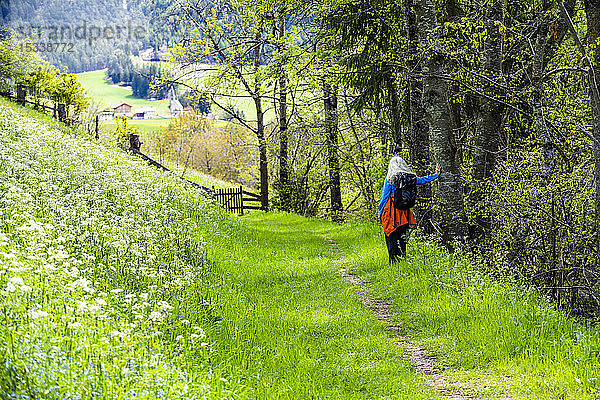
(175, 106)
(144, 113)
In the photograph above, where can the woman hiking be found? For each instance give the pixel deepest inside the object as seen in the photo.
(398, 221)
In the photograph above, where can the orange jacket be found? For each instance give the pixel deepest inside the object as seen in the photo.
(391, 218)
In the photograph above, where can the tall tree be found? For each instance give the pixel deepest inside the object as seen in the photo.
(330, 105)
(449, 194)
(592, 10)
(486, 143)
(260, 119)
(231, 36)
(370, 47)
(550, 34)
(487, 140)
(284, 174)
(418, 136)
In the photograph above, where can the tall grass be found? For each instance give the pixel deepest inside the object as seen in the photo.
(106, 289)
(493, 333)
(119, 282)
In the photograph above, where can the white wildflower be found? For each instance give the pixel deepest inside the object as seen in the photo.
(82, 307)
(35, 314)
(129, 298)
(16, 283)
(200, 331)
(83, 284)
(164, 306)
(117, 334)
(93, 308)
(156, 316)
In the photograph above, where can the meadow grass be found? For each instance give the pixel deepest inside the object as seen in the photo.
(148, 127)
(490, 334)
(294, 329)
(119, 281)
(105, 94)
(199, 177)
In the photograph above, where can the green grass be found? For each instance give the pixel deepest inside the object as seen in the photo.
(96, 247)
(148, 127)
(294, 329)
(104, 94)
(497, 336)
(198, 177)
(120, 282)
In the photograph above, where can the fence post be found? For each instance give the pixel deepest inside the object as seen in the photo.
(62, 112)
(21, 93)
(134, 141)
(241, 200)
(97, 131)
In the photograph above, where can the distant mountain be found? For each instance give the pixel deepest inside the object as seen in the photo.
(83, 34)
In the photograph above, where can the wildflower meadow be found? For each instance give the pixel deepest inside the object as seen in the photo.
(105, 285)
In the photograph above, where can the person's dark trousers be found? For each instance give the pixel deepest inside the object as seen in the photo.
(396, 243)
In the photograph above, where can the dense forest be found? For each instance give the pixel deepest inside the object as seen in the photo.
(93, 30)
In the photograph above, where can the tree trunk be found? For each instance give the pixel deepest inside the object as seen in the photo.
(592, 11)
(331, 129)
(489, 128)
(260, 125)
(395, 112)
(418, 136)
(487, 140)
(449, 194)
(284, 178)
(538, 112)
(549, 37)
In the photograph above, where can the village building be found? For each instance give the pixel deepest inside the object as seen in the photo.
(144, 113)
(175, 106)
(107, 114)
(115, 110)
(121, 108)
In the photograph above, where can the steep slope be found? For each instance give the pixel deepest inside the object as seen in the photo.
(106, 291)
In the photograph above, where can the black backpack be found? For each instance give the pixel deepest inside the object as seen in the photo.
(405, 191)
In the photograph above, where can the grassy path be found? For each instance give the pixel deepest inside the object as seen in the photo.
(295, 329)
(309, 336)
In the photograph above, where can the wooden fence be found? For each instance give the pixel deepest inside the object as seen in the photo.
(231, 199)
(236, 199)
(59, 111)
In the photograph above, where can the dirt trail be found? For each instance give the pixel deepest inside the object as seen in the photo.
(418, 356)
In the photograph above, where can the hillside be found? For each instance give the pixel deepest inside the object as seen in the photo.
(120, 282)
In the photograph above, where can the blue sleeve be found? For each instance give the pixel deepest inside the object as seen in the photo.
(386, 192)
(421, 180)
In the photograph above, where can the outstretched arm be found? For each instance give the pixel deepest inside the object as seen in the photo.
(421, 180)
